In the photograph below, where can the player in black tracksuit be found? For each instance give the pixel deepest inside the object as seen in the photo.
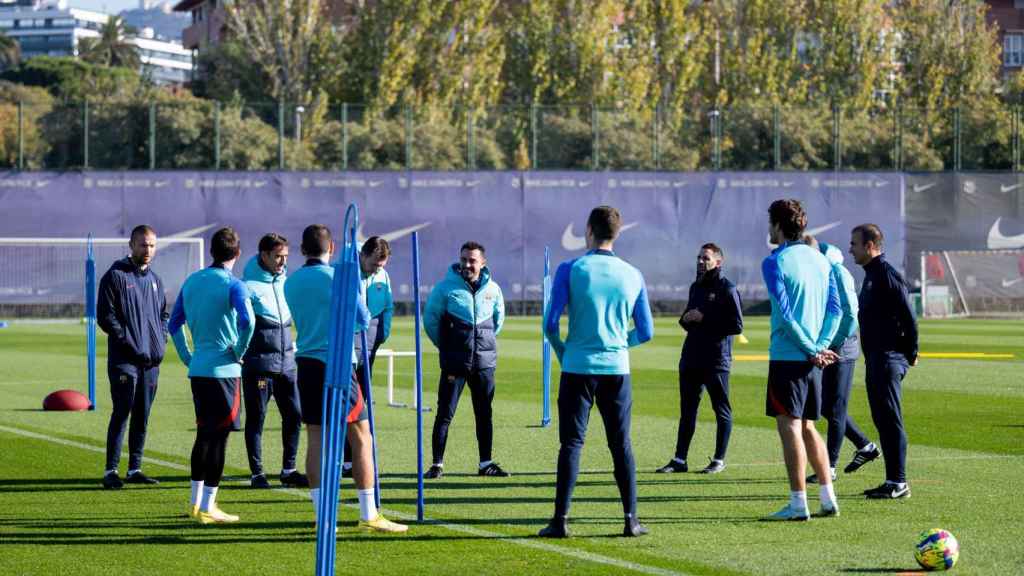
(132, 310)
(888, 333)
(713, 316)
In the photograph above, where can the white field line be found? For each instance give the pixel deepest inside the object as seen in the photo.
(527, 543)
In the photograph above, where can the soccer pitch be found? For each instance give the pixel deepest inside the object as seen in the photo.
(965, 420)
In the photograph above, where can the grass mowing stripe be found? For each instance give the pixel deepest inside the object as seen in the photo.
(537, 545)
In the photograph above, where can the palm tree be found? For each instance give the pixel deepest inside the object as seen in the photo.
(10, 52)
(112, 47)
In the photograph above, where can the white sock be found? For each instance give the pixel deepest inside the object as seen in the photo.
(869, 448)
(114, 471)
(134, 471)
(798, 500)
(346, 465)
(197, 492)
(367, 505)
(485, 464)
(827, 495)
(677, 460)
(209, 501)
(897, 484)
(314, 495)
(285, 472)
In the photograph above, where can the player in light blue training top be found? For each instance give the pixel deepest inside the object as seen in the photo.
(602, 293)
(308, 293)
(216, 307)
(806, 314)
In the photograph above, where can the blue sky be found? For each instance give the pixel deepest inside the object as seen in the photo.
(111, 6)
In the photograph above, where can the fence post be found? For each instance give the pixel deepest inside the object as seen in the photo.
(655, 133)
(216, 135)
(408, 137)
(344, 135)
(776, 139)
(85, 134)
(957, 152)
(595, 163)
(21, 135)
(1015, 114)
(837, 152)
(470, 140)
(716, 140)
(152, 135)
(280, 135)
(534, 163)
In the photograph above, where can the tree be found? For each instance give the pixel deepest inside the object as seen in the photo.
(10, 52)
(112, 48)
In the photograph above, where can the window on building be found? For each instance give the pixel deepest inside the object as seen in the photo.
(1013, 49)
(6, 23)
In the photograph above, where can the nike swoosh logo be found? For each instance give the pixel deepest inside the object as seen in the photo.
(1008, 283)
(393, 235)
(923, 187)
(811, 232)
(192, 232)
(572, 242)
(997, 241)
(1004, 188)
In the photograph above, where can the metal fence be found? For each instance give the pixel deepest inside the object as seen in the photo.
(207, 135)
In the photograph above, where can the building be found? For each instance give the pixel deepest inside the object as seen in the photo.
(53, 29)
(1008, 18)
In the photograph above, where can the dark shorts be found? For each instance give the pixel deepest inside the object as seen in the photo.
(311, 376)
(794, 388)
(218, 402)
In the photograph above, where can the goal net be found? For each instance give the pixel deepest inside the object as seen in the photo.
(972, 283)
(45, 277)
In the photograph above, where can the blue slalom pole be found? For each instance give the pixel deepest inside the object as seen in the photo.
(90, 319)
(344, 291)
(419, 375)
(545, 346)
(368, 395)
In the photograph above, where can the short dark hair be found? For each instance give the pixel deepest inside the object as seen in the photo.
(376, 247)
(316, 240)
(605, 223)
(870, 233)
(714, 250)
(790, 216)
(271, 242)
(471, 245)
(141, 230)
(225, 245)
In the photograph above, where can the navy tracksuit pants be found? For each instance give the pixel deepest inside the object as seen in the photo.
(257, 390)
(691, 383)
(131, 393)
(613, 394)
(481, 388)
(885, 372)
(836, 383)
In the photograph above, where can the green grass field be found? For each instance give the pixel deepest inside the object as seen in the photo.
(965, 420)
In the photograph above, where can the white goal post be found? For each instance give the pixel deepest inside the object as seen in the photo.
(958, 283)
(45, 277)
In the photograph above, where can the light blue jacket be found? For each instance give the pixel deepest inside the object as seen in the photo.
(463, 323)
(379, 300)
(845, 341)
(804, 295)
(216, 307)
(603, 293)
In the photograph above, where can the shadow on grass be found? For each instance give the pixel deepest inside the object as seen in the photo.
(84, 484)
(907, 571)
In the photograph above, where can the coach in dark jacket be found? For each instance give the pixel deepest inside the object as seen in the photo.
(713, 316)
(132, 310)
(268, 367)
(888, 335)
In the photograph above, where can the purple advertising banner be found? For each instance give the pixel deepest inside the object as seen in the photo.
(667, 216)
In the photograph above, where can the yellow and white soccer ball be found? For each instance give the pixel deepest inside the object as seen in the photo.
(937, 549)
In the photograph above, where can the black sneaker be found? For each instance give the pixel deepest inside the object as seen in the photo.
(295, 479)
(889, 491)
(140, 478)
(557, 528)
(633, 527)
(672, 467)
(813, 478)
(492, 469)
(111, 481)
(713, 467)
(435, 472)
(860, 458)
(259, 481)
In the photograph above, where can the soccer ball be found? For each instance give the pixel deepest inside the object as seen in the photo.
(937, 549)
